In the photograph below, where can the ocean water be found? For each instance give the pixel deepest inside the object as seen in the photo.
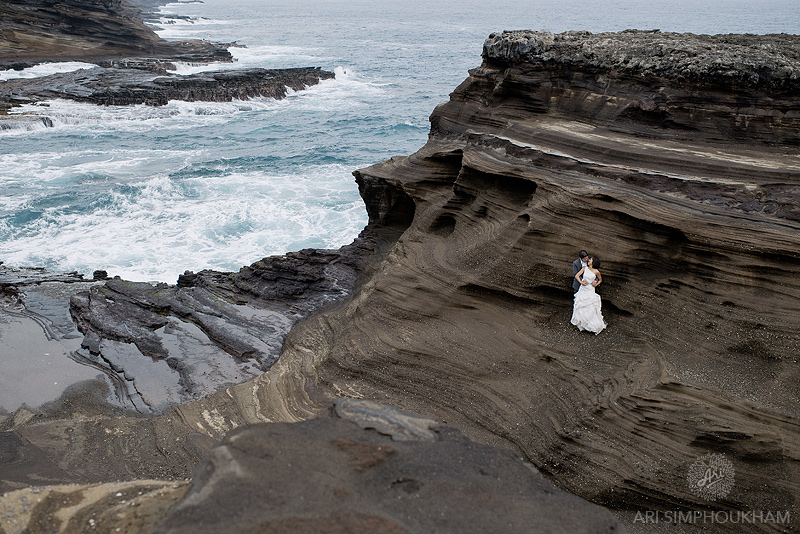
(147, 193)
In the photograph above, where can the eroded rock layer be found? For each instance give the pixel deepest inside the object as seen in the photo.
(35, 31)
(684, 182)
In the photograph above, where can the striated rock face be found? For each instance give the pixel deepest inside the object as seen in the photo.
(34, 31)
(671, 160)
(713, 87)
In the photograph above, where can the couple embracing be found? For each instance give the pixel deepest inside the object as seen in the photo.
(586, 314)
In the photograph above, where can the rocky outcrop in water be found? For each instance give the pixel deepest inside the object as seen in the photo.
(133, 62)
(128, 86)
(163, 345)
(683, 180)
(37, 31)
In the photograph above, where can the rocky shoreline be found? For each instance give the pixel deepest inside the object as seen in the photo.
(133, 63)
(94, 31)
(132, 85)
(454, 303)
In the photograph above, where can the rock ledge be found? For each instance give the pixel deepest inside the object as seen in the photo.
(768, 61)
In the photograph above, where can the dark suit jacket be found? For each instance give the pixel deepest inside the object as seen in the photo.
(576, 266)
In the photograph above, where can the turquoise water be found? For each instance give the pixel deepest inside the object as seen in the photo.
(147, 193)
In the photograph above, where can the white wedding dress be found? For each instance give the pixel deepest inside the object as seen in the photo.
(586, 314)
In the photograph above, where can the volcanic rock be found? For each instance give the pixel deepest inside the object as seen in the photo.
(134, 63)
(328, 475)
(14, 277)
(163, 345)
(360, 467)
(122, 87)
(36, 31)
(679, 169)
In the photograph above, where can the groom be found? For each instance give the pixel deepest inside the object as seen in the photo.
(577, 265)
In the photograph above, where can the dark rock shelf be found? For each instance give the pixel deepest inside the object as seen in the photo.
(128, 86)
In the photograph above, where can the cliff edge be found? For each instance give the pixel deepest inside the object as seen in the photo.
(671, 157)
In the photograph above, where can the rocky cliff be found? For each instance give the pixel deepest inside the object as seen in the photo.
(36, 31)
(674, 158)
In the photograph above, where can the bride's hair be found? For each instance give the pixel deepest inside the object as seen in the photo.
(595, 262)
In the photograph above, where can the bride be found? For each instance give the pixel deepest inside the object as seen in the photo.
(586, 313)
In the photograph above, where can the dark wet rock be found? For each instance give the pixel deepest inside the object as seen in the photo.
(329, 475)
(301, 281)
(187, 279)
(41, 295)
(162, 345)
(38, 339)
(167, 345)
(23, 276)
(114, 86)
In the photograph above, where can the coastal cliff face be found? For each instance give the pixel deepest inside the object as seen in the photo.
(35, 31)
(674, 158)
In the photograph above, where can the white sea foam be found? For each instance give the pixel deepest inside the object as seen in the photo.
(349, 89)
(186, 69)
(148, 192)
(40, 170)
(277, 56)
(266, 57)
(44, 69)
(220, 222)
(170, 27)
(92, 120)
